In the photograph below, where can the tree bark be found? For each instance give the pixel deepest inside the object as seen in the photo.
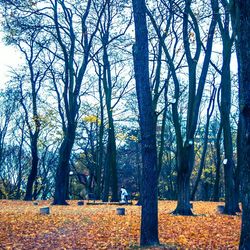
(62, 172)
(149, 197)
(110, 168)
(243, 34)
(216, 193)
(240, 162)
(20, 165)
(240, 140)
(185, 165)
(225, 119)
(100, 140)
(204, 151)
(111, 147)
(33, 172)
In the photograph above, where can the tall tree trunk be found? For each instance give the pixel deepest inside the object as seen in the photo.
(72, 78)
(225, 108)
(33, 172)
(240, 143)
(202, 164)
(36, 190)
(139, 172)
(20, 166)
(112, 161)
(240, 162)
(149, 198)
(111, 147)
(100, 141)
(163, 127)
(227, 135)
(204, 151)
(243, 6)
(106, 181)
(216, 193)
(99, 165)
(62, 173)
(110, 175)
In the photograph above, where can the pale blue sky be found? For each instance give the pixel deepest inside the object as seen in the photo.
(9, 57)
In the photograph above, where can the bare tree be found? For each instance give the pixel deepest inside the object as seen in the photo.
(70, 40)
(225, 107)
(185, 147)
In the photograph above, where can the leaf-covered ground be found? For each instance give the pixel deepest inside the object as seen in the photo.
(98, 227)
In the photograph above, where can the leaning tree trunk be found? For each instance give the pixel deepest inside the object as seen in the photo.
(210, 110)
(244, 65)
(62, 173)
(149, 196)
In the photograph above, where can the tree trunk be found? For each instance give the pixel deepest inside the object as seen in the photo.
(33, 172)
(62, 172)
(112, 161)
(244, 51)
(99, 167)
(240, 160)
(240, 143)
(225, 108)
(100, 141)
(111, 147)
(139, 172)
(106, 181)
(183, 187)
(227, 135)
(110, 175)
(163, 127)
(36, 190)
(149, 198)
(185, 165)
(229, 188)
(20, 166)
(216, 193)
(202, 164)
(204, 151)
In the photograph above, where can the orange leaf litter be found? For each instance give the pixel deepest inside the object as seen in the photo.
(98, 227)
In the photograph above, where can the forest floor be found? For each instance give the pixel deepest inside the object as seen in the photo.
(98, 227)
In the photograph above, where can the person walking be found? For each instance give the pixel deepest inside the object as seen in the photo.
(124, 195)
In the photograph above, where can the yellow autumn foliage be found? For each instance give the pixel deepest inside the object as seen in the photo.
(92, 119)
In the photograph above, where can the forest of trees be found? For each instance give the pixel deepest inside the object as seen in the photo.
(152, 95)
